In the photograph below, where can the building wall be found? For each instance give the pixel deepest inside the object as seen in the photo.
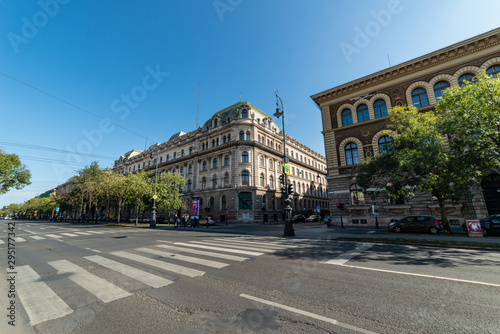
(264, 140)
(394, 86)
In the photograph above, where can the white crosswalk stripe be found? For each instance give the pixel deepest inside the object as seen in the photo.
(208, 263)
(55, 236)
(37, 237)
(2, 242)
(19, 239)
(340, 260)
(69, 234)
(83, 233)
(160, 264)
(140, 275)
(222, 249)
(39, 301)
(230, 245)
(250, 243)
(99, 287)
(200, 252)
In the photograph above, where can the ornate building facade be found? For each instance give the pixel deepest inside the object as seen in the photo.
(233, 163)
(355, 114)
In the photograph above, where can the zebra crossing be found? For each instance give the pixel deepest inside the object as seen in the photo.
(65, 234)
(108, 277)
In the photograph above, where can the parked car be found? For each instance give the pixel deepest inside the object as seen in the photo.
(211, 222)
(313, 218)
(416, 224)
(299, 219)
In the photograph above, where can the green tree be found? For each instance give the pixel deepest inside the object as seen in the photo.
(472, 119)
(13, 174)
(169, 190)
(138, 190)
(419, 160)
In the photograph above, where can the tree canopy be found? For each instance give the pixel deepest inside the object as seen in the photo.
(13, 174)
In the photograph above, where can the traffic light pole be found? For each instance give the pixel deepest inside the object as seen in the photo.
(288, 232)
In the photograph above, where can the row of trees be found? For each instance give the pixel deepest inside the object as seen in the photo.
(96, 192)
(443, 152)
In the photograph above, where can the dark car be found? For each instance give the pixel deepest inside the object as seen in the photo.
(426, 224)
(299, 219)
(313, 218)
(490, 225)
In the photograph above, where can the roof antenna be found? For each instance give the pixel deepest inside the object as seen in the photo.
(389, 60)
(198, 108)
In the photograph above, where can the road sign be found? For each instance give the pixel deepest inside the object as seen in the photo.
(375, 210)
(57, 209)
(286, 169)
(286, 160)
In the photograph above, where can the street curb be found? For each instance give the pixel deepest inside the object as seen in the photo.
(420, 244)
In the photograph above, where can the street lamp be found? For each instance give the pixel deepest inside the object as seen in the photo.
(153, 218)
(280, 112)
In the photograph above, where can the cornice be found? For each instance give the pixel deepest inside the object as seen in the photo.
(448, 54)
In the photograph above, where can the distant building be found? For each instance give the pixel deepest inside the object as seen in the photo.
(233, 163)
(355, 113)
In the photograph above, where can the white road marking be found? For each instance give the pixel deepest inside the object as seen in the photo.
(83, 233)
(230, 245)
(19, 239)
(37, 237)
(140, 275)
(307, 314)
(208, 263)
(69, 234)
(55, 236)
(199, 252)
(423, 275)
(94, 250)
(99, 287)
(97, 232)
(228, 250)
(160, 264)
(263, 244)
(39, 301)
(340, 260)
(1, 242)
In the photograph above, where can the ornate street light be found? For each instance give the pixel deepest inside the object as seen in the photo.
(280, 112)
(153, 218)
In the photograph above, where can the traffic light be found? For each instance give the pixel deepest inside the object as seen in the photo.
(283, 189)
(340, 206)
(290, 188)
(282, 179)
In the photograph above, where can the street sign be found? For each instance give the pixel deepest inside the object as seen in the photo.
(375, 210)
(286, 160)
(57, 209)
(286, 169)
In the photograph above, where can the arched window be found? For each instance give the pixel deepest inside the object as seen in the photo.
(214, 163)
(216, 122)
(200, 202)
(493, 70)
(262, 161)
(439, 88)
(357, 196)
(262, 180)
(161, 160)
(182, 171)
(419, 97)
(244, 113)
(271, 182)
(346, 117)
(351, 154)
(204, 165)
(248, 135)
(223, 205)
(175, 155)
(190, 150)
(382, 144)
(380, 108)
(298, 188)
(214, 182)
(182, 153)
(226, 160)
(190, 184)
(242, 135)
(211, 203)
(466, 77)
(244, 157)
(271, 165)
(223, 139)
(204, 183)
(228, 138)
(190, 169)
(213, 142)
(226, 180)
(362, 111)
(245, 178)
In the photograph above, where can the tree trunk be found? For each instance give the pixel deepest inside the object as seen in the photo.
(136, 215)
(444, 217)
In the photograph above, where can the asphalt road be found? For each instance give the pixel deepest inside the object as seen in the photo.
(71, 278)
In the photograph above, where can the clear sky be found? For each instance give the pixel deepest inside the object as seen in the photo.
(66, 65)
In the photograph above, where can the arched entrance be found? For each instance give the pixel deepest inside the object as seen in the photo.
(491, 193)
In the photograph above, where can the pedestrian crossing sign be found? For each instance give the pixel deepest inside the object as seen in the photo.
(286, 168)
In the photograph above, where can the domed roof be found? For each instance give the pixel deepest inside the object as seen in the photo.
(234, 111)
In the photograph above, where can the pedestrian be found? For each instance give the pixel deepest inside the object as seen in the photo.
(176, 222)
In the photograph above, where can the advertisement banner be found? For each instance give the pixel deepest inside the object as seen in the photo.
(194, 208)
(474, 228)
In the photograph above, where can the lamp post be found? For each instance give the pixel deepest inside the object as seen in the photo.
(152, 224)
(280, 112)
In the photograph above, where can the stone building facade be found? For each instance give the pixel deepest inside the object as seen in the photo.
(233, 163)
(355, 113)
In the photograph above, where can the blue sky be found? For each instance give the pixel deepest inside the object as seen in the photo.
(66, 65)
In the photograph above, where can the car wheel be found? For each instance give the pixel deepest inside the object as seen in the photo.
(486, 232)
(433, 230)
(397, 229)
